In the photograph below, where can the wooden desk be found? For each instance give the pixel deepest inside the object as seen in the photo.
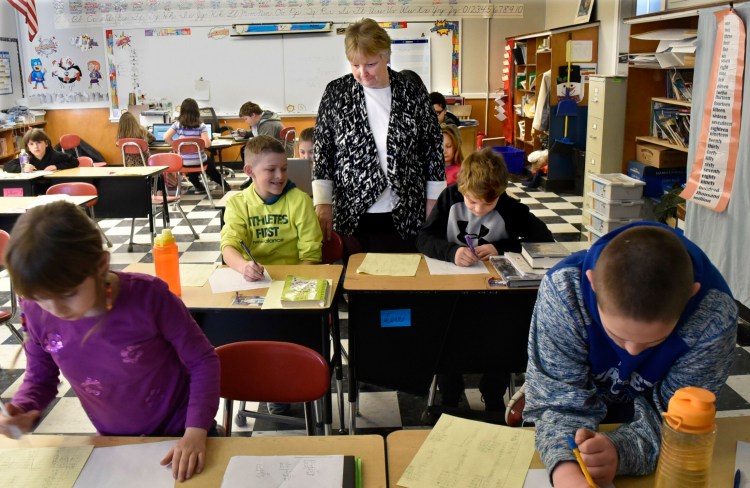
(457, 324)
(223, 322)
(403, 445)
(13, 182)
(371, 448)
(13, 207)
(124, 192)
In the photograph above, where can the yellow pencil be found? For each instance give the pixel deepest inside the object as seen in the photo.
(577, 453)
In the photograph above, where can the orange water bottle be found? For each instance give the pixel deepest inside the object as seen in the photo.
(687, 439)
(167, 261)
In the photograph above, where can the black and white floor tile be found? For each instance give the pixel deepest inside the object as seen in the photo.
(381, 410)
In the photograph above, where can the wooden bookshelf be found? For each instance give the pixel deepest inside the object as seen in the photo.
(660, 142)
(672, 101)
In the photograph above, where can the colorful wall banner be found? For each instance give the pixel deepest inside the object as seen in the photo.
(710, 183)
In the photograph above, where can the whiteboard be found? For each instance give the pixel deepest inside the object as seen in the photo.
(284, 73)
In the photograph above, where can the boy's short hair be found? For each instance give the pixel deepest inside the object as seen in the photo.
(262, 144)
(437, 98)
(248, 109)
(367, 37)
(307, 135)
(483, 174)
(645, 273)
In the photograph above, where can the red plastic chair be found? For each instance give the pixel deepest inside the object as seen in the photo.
(80, 189)
(5, 316)
(288, 135)
(192, 145)
(85, 162)
(133, 146)
(269, 371)
(333, 249)
(174, 163)
(70, 141)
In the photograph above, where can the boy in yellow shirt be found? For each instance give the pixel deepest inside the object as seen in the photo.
(272, 217)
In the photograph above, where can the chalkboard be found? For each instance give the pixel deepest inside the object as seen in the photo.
(284, 73)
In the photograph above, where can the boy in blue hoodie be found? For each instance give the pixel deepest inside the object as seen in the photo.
(615, 332)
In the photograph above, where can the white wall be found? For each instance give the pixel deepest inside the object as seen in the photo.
(7, 20)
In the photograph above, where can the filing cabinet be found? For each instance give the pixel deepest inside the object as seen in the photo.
(605, 127)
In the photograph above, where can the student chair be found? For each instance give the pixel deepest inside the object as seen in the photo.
(5, 316)
(192, 145)
(132, 145)
(270, 371)
(80, 189)
(463, 112)
(287, 136)
(70, 141)
(85, 162)
(174, 165)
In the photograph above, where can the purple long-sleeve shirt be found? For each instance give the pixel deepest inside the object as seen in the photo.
(145, 369)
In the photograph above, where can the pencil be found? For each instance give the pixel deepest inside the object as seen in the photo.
(468, 238)
(247, 250)
(577, 453)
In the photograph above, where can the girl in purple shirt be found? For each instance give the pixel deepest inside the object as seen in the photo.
(136, 359)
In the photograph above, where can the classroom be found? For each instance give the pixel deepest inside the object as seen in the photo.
(432, 328)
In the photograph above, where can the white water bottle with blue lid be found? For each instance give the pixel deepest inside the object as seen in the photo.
(23, 160)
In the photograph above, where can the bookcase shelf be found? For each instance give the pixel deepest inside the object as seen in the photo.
(672, 101)
(661, 142)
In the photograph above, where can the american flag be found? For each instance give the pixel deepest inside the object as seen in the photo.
(27, 8)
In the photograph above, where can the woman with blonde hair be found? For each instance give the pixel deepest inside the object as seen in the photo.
(378, 150)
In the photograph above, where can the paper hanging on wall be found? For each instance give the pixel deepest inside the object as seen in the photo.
(202, 90)
(581, 51)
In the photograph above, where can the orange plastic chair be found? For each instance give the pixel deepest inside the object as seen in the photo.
(70, 141)
(269, 371)
(81, 189)
(174, 165)
(5, 316)
(288, 135)
(192, 145)
(133, 146)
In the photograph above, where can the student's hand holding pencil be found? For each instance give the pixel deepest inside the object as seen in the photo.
(14, 421)
(599, 455)
(253, 272)
(188, 456)
(465, 257)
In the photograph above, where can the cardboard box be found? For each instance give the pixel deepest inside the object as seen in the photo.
(658, 180)
(660, 156)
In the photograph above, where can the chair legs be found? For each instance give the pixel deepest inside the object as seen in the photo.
(93, 218)
(184, 216)
(204, 179)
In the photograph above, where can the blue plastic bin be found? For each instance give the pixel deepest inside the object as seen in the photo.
(513, 157)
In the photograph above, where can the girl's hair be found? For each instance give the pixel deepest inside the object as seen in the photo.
(129, 127)
(452, 132)
(36, 135)
(190, 115)
(52, 249)
(368, 38)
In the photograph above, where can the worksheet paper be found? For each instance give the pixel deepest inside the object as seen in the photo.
(42, 467)
(195, 274)
(464, 453)
(742, 462)
(131, 466)
(390, 264)
(226, 279)
(284, 471)
(439, 267)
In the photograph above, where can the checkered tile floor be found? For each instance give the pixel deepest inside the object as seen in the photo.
(381, 410)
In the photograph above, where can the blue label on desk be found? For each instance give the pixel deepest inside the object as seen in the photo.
(395, 318)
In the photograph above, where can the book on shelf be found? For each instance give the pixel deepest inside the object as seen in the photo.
(510, 275)
(681, 84)
(672, 123)
(304, 292)
(543, 254)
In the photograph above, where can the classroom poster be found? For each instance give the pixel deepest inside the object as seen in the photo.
(6, 83)
(710, 182)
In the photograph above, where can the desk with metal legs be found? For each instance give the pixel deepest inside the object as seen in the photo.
(404, 330)
(223, 322)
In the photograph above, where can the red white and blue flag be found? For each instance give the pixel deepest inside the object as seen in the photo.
(27, 8)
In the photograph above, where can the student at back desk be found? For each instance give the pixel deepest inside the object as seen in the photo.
(615, 332)
(477, 208)
(42, 156)
(272, 217)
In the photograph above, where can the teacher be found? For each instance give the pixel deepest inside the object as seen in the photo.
(378, 150)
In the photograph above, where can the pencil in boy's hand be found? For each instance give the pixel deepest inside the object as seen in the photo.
(467, 238)
(574, 447)
(247, 250)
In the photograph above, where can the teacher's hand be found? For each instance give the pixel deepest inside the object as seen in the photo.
(325, 217)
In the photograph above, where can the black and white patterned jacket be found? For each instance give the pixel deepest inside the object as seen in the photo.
(345, 153)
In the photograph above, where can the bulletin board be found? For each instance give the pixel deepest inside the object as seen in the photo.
(11, 87)
(283, 73)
